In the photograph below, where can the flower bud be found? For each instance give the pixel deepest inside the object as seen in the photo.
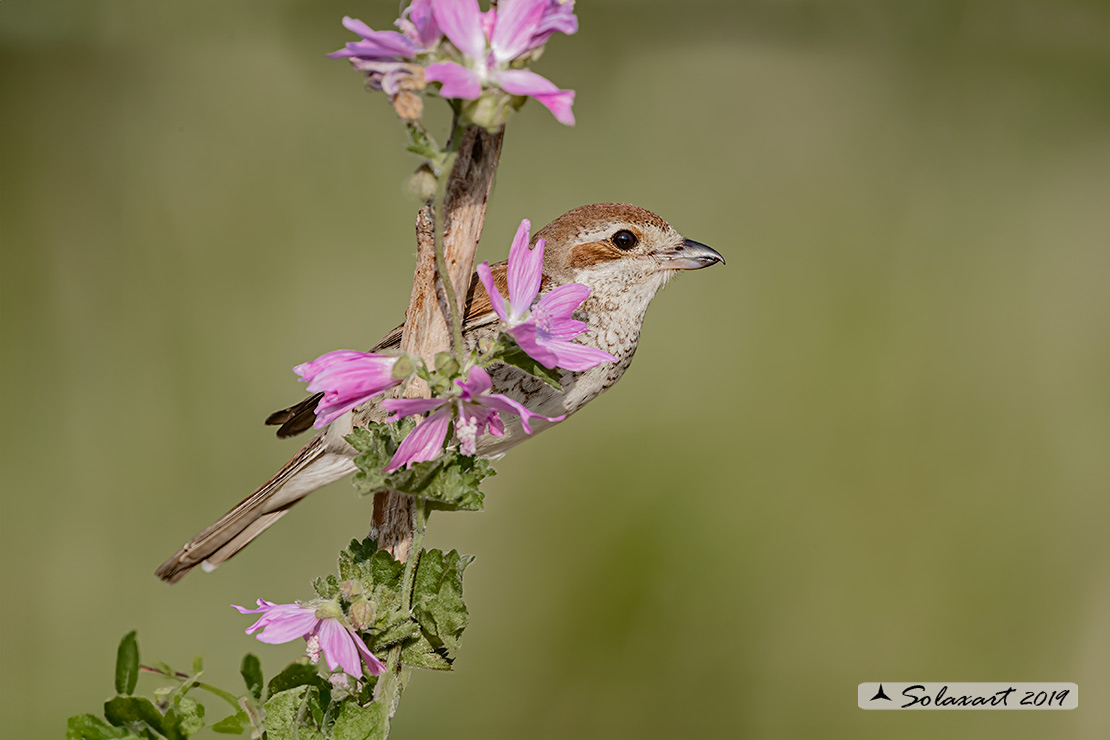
(490, 110)
(409, 106)
(422, 184)
(446, 364)
(350, 589)
(404, 367)
(362, 614)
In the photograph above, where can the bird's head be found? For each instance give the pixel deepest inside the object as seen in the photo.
(618, 248)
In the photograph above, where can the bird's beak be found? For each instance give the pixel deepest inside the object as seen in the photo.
(689, 255)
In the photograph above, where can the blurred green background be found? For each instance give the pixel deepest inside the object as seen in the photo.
(875, 446)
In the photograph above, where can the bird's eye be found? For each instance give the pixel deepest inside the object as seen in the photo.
(624, 239)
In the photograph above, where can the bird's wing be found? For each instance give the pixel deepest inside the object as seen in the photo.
(479, 312)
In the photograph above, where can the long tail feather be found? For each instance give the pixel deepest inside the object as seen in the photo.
(309, 469)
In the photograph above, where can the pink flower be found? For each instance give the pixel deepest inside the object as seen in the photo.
(348, 379)
(339, 644)
(491, 41)
(385, 55)
(546, 329)
(477, 413)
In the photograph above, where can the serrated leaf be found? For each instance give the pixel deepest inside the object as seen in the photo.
(419, 653)
(89, 727)
(437, 600)
(520, 359)
(292, 714)
(251, 671)
(296, 675)
(326, 588)
(450, 482)
(127, 664)
(385, 570)
(393, 634)
(233, 724)
(186, 717)
(360, 723)
(136, 714)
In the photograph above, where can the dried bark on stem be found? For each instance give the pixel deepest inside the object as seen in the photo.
(426, 329)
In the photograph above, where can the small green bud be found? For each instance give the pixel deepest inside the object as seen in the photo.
(446, 364)
(350, 589)
(403, 367)
(490, 110)
(423, 183)
(362, 614)
(329, 610)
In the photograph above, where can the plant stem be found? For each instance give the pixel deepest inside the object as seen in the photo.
(392, 683)
(448, 289)
(182, 677)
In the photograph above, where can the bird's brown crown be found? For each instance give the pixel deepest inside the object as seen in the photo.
(599, 234)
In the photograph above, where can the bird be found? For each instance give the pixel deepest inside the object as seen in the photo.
(622, 252)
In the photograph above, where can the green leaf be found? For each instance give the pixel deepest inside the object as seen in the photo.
(437, 600)
(294, 714)
(251, 671)
(296, 675)
(420, 653)
(127, 664)
(327, 587)
(394, 632)
(423, 144)
(233, 724)
(360, 723)
(185, 718)
(518, 358)
(450, 482)
(88, 727)
(137, 714)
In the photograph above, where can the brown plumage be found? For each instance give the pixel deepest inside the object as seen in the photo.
(622, 252)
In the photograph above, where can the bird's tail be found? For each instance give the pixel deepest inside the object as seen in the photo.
(311, 468)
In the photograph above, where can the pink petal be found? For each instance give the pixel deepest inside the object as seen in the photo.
(461, 23)
(458, 81)
(372, 663)
(477, 382)
(527, 82)
(356, 26)
(325, 361)
(348, 379)
(281, 622)
(338, 647)
(494, 425)
(508, 405)
(423, 21)
(489, 21)
(526, 335)
(423, 443)
(558, 18)
(562, 302)
(551, 327)
(517, 21)
(402, 407)
(375, 44)
(578, 357)
(497, 302)
(525, 272)
(263, 605)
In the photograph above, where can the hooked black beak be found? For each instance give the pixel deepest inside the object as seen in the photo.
(689, 255)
